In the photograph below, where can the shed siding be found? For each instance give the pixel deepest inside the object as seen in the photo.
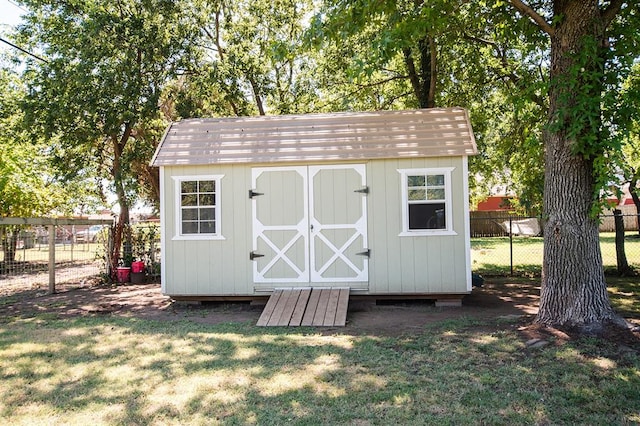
(420, 264)
(210, 267)
(398, 265)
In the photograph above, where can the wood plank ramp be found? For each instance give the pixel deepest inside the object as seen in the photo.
(295, 307)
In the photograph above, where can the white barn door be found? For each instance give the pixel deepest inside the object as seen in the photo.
(280, 206)
(338, 223)
(309, 224)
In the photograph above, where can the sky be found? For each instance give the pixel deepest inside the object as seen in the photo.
(9, 17)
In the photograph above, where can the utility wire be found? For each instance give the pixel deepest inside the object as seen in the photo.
(24, 51)
(17, 5)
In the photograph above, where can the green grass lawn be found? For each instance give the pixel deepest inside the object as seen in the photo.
(118, 370)
(64, 252)
(492, 254)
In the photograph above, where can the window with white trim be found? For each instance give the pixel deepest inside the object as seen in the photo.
(198, 205)
(426, 199)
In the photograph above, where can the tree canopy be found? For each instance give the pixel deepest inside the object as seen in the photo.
(27, 181)
(481, 55)
(99, 89)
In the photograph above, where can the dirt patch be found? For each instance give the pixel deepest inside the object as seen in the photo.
(495, 299)
(131, 300)
(512, 304)
(623, 340)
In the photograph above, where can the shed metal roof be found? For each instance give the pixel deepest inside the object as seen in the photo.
(433, 132)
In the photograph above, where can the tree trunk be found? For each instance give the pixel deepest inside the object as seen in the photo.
(428, 67)
(423, 81)
(9, 238)
(621, 256)
(633, 191)
(573, 292)
(122, 234)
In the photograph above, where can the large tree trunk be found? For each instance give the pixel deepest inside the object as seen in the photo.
(423, 79)
(122, 234)
(574, 292)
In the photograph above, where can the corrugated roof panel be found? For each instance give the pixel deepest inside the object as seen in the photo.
(317, 137)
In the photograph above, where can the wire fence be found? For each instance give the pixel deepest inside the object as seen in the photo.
(33, 256)
(42, 253)
(513, 245)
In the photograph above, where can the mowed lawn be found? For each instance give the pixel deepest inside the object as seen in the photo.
(494, 254)
(118, 370)
(64, 252)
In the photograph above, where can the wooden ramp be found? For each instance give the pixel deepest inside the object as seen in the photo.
(295, 307)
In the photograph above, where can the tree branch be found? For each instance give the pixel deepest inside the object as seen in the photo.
(381, 82)
(392, 99)
(256, 95)
(215, 37)
(126, 134)
(412, 73)
(480, 40)
(507, 69)
(535, 17)
(611, 11)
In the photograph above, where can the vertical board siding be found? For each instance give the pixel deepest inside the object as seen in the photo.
(210, 267)
(421, 264)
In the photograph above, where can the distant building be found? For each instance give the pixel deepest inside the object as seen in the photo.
(495, 203)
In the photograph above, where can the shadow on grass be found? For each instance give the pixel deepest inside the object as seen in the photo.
(118, 370)
(468, 368)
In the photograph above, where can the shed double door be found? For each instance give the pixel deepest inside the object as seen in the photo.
(309, 224)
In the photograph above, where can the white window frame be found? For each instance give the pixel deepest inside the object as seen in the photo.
(448, 207)
(177, 183)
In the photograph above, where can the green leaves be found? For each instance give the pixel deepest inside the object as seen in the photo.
(114, 66)
(108, 64)
(255, 63)
(27, 184)
(108, 61)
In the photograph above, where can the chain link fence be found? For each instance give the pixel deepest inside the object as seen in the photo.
(38, 253)
(513, 245)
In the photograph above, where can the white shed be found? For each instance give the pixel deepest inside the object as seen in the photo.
(376, 202)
